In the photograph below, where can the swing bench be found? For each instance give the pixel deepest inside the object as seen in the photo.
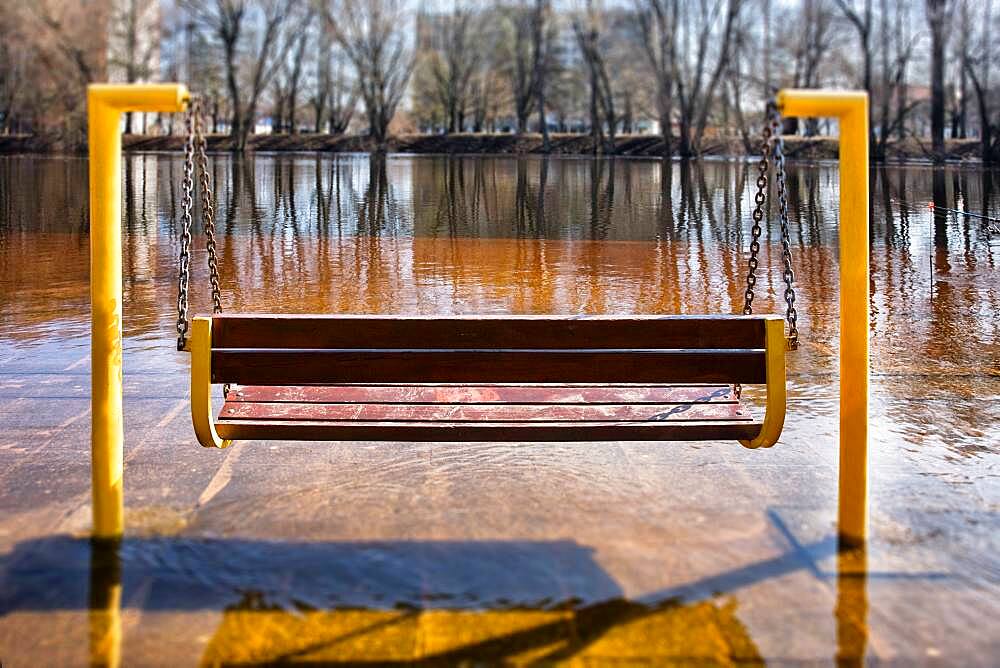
(486, 378)
(483, 378)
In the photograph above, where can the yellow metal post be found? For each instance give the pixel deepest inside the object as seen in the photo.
(105, 105)
(851, 109)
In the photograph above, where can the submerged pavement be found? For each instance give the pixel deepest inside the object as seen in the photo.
(390, 552)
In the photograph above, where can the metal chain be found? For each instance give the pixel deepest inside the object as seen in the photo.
(773, 146)
(778, 152)
(187, 201)
(207, 206)
(208, 212)
(760, 200)
(195, 143)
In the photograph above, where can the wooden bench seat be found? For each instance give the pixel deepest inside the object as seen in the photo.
(486, 378)
(486, 413)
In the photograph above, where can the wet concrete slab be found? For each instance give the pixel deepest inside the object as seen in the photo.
(513, 552)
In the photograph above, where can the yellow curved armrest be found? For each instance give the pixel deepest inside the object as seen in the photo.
(201, 385)
(774, 414)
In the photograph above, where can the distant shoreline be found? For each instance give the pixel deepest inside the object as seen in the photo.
(797, 148)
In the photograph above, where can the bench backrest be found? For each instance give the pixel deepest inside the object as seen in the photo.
(309, 349)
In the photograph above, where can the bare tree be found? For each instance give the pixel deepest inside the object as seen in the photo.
(541, 50)
(896, 49)
(696, 77)
(658, 19)
(132, 42)
(960, 93)
(452, 58)
(737, 80)
(335, 96)
(254, 37)
(288, 79)
(977, 66)
(66, 56)
(521, 60)
(371, 33)
(189, 53)
(15, 79)
(343, 100)
(298, 59)
(588, 38)
(937, 21)
(65, 25)
(815, 42)
(860, 17)
(320, 97)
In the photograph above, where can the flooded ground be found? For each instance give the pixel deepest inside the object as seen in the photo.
(578, 553)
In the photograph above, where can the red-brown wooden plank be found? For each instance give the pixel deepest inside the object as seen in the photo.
(483, 413)
(299, 367)
(498, 331)
(531, 432)
(483, 394)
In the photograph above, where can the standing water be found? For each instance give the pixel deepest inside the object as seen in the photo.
(383, 552)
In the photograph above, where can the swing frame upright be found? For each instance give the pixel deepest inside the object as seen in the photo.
(106, 104)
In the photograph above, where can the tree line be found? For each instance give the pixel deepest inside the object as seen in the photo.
(691, 70)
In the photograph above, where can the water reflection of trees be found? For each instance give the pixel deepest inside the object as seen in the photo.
(470, 233)
(445, 234)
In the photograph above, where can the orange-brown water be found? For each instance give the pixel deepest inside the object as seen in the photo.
(386, 552)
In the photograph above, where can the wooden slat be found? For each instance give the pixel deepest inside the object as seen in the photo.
(463, 332)
(485, 394)
(295, 367)
(528, 432)
(244, 410)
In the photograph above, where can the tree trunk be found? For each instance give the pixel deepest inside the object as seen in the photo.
(627, 118)
(936, 21)
(684, 143)
(540, 66)
(886, 97)
(595, 118)
(236, 127)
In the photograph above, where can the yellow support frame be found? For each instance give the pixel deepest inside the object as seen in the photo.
(851, 110)
(106, 103)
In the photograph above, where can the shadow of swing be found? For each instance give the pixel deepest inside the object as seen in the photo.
(433, 602)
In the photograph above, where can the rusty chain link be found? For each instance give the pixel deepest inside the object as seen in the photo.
(760, 200)
(187, 201)
(778, 153)
(207, 208)
(195, 144)
(772, 146)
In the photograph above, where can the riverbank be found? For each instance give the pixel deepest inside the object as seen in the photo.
(799, 148)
